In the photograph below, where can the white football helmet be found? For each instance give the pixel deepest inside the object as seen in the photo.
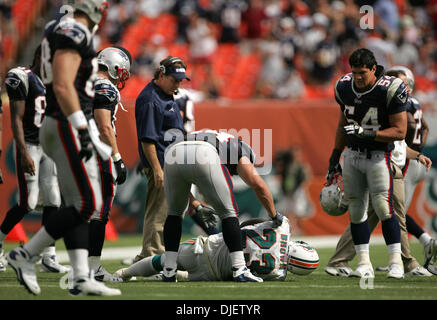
(117, 63)
(407, 72)
(332, 199)
(94, 9)
(302, 258)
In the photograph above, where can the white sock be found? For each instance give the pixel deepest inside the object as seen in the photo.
(362, 251)
(94, 262)
(170, 259)
(237, 259)
(49, 251)
(2, 237)
(424, 239)
(39, 241)
(79, 263)
(394, 253)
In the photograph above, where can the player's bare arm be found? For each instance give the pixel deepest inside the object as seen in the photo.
(397, 129)
(149, 150)
(250, 176)
(340, 135)
(425, 131)
(65, 64)
(107, 134)
(17, 114)
(416, 155)
(411, 128)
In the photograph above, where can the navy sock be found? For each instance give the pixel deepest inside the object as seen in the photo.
(13, 216)
(77, 237)
(232, 234)
(172, 233)
(360, 232)
(96, 239)
(46, 213)
(413, 227)
(391, 230)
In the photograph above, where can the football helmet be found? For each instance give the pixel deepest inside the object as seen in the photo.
(302, 258)
(407, 72)
(117, 63)
(94, 9)
(332, 198)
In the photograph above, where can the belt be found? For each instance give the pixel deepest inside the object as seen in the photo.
(365, 150)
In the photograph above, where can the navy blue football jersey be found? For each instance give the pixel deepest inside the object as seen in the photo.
(413, 107)
(23, 84)
(229, 148)
(371, 109)
(67, 33)
(107, 97)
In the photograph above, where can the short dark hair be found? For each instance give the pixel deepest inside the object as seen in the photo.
(362, 58)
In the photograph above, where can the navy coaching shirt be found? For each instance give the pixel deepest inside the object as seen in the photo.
(155, 113)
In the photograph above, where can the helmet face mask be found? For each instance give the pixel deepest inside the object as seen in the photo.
(117, 64)
(332, 199)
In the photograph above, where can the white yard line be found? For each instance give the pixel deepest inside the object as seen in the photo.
(318, 242)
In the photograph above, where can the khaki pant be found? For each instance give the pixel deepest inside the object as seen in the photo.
(154, 219)
(345, 250)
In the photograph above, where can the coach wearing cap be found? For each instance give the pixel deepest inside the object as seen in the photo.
(156, 113)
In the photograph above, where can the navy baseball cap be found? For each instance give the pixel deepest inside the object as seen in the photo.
(177, 72)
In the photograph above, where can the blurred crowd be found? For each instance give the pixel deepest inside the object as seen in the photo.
(300, 43)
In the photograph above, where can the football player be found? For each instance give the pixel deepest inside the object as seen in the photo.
(269, 252)
(1, 130)
(114, 71)
(208, 159)
(414, 171)
(70, 137)
(35, 170)
(372, 117)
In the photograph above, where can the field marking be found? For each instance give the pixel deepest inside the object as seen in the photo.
(318, 242)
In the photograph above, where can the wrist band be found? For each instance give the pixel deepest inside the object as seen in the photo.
(116, 157)
(418, 156)
(77, 119)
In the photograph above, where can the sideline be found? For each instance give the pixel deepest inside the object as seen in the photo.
(318, 242)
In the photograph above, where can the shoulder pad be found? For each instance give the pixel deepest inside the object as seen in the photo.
(398, 90)
(341, 83)
(16, 77)
(73, 30)
(415, 101)
(104, 88)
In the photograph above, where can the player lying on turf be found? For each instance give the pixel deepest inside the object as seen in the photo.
(269, 253)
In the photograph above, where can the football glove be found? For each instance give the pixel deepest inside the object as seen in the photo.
(121, 171)
(334, 168)
(360, 131)
(207, 214)
(86, 145)
(277, 220)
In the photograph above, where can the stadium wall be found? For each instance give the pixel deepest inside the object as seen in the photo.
(308, 124)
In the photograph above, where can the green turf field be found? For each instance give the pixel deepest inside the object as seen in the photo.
(317, 286)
